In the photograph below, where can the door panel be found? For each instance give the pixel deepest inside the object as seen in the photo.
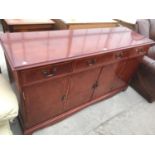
(118, 80)
(124, 72)
(104, 81)
(130, 69)
(115, 76)
(81, 88)
(45, 100)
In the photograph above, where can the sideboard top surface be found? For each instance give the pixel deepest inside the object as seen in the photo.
(32, 49)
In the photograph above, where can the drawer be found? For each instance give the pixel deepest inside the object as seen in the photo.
(46, 72)
(131, 53)
(103, 59)
(107, 58)
(139, 51)
(86, 63)
(120, 55)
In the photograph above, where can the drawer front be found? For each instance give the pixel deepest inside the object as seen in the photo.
(46, 72)
(107, 58)
(131, 53)
(86, 63)
(139, 51)
(103, 59)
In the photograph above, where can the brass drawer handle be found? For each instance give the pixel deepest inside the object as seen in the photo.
(119, 55)
(140, 50)
(91, 62)
(48, 74)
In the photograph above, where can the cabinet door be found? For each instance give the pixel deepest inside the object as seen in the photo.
(104, 81)
(124, 72)
(45, 100)
(81, 88)
(130, 68)
(115, 76)
(118, 80)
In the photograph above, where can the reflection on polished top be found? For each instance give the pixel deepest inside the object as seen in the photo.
(28, 49)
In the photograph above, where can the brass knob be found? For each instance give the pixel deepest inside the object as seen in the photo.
(140, 50)
(51, 73)
(91, 62)
(119, 55)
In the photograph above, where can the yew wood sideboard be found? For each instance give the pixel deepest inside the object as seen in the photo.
(25, 25)
(57, 73)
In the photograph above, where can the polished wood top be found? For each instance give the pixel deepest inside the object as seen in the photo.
(28, 21)
(82, 21)
(29, 49)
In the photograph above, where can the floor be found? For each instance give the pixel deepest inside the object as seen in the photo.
(126, 113)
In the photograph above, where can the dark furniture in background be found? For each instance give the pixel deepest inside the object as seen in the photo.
(144, 79)
(24, 25)
(62, 72)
